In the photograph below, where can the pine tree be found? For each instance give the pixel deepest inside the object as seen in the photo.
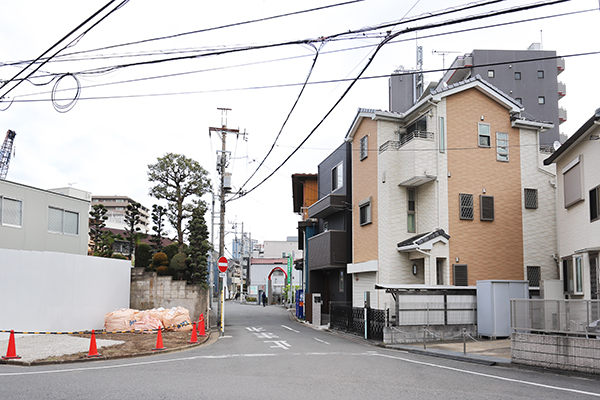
(199, 246)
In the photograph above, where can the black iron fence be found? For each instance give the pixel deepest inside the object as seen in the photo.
(351, 319)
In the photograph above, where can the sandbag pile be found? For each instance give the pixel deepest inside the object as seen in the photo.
(127, 319)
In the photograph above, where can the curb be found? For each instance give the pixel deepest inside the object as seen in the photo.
(104, 358)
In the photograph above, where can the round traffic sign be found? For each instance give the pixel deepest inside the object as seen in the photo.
(222, 264)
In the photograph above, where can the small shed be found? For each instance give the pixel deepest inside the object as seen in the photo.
(493, 305)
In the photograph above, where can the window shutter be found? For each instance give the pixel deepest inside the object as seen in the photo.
(11, 212)
(55, 220)
(486, 205)
(572, 185)
(71, 224)
(461, 276)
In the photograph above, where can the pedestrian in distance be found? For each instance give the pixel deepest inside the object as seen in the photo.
(264, 299)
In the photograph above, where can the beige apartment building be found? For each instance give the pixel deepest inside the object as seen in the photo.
(450, 192)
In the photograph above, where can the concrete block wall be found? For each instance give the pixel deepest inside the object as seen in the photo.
(148, 290)
(558, 352)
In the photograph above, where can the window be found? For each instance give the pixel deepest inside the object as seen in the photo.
(533, 276)
(461, 276)
(364, 151)
(594, 203)
(519, 100)
(531, 198)
(442, 136)
(502, 146)
(365, 211)
(491, 73)
(483, 131)
(573, 275)
(517, 76)
(325, 226)
(486, 207)
(466, 206)
(572, 182)
(11, 211)
(541, 100)
(63, 221)
(341, 281)
(578, 275)
(411, 209)
(540, 74)
(337, 177)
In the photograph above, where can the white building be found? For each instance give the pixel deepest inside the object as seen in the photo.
(578, 210)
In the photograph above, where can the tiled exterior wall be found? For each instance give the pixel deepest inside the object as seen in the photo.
(539, 225)
(364, 185)
(491, 249)
(557, 352)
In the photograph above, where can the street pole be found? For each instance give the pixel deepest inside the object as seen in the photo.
(222, 164)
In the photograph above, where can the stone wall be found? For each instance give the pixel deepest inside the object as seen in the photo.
(557, 352)
(148, 290)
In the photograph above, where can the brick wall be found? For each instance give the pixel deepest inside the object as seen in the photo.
(148, 290)
(557, 352)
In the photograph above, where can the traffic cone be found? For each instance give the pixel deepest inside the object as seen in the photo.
(11, 354)
(159, 342)
(93, 349)
(194, 338)
(201, 329)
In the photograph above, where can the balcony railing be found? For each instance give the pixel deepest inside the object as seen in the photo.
(404, 139)
(327, 250)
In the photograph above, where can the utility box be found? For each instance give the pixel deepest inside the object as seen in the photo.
(493, 305)
(313, 304)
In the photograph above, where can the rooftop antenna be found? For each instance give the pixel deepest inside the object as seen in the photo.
(443, 54)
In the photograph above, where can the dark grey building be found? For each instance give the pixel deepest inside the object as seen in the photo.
(330, 248)
(528, 76)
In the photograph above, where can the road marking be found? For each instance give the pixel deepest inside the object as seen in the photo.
(279, 343)
(489, 376)
(322, 341)
(224, 337)
(254, 329)
(290, 329)
(266, 335)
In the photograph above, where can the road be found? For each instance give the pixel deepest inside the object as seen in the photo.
(265, 354)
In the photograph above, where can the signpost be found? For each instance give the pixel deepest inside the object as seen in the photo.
(222, 268)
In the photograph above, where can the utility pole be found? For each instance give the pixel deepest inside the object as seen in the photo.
(225, 181)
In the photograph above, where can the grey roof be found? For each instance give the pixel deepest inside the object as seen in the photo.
(473, 79)
(574, 138)
(423, 237)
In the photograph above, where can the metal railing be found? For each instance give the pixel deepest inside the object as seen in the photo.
(404, 139)
(570, 317)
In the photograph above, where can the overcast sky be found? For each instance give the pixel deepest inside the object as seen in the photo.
(122, 123)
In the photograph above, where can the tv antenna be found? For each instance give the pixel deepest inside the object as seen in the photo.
(443, 54)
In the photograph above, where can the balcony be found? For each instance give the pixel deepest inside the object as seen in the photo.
(327, 250)
(560, 65)
(415, 152)
(562, 90)
(562, 115)
(327, 205)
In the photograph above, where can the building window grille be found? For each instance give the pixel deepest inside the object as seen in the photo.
(517, 76)
(541, 100)
(531, 198)
(11, 211)
(411, 209)
(491, 73)
(364, 151)
(466, 206)
(540, 74)
(461, 276)
(63, 221)
(533, 276)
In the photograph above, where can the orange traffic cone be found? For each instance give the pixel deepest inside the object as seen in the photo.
(194, 338)
(93, 349)
(201, 329)
(159, 342)
(11, 354)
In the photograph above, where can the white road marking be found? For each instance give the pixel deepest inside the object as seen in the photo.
(490, 376)
(266, 335)
(322, 341)
(254, 329)
(290, 329)
(279, 344)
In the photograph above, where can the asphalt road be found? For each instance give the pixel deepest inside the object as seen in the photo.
(264, 354)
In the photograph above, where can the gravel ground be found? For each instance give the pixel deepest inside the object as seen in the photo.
(39, 347)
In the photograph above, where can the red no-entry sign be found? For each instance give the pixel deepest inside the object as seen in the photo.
(222, 264)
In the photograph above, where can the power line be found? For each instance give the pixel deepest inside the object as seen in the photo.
(379, 47)
(60, 41)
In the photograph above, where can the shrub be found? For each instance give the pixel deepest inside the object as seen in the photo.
(162, 270)
(119, 256)
(143, 255)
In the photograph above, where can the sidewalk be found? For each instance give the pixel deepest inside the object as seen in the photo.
(482, 351)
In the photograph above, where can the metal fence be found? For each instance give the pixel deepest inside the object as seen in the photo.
(436, 310)
(351, 319)
(571, 317)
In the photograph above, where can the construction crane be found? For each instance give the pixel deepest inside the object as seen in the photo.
(6, 152)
